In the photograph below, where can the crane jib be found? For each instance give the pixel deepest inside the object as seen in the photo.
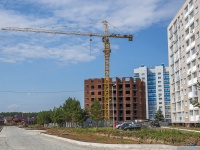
(105, 38)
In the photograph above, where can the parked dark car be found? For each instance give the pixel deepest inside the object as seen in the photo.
(155, 124)
(125, 124)
(133, 127)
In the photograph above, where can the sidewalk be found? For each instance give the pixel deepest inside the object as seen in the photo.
(181, 129)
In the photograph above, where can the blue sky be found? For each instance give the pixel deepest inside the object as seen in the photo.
(40, 71)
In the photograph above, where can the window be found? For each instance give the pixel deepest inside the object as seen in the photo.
(195, 90)
(127, 92)
(196, 112)
(159, 77)
(198, 47)
(191, 112)
(197, 22)
(191, 3)
(190, 89)
(192, 38)
(188, 54)
(191, 27)
(193, 50)
(197, 35)
(187, 42)
(182, 37)
(196, 10)
(194, 75)
(186, 9)
(187, 31)
(193, 63)
(191, 14)
(188, 66)
(189, 77)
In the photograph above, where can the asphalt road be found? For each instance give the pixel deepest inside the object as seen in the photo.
(14, 138)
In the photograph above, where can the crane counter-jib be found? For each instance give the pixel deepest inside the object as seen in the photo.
(130, 37)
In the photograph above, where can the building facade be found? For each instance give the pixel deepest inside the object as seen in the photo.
(157, 88)
(127, 94)
(184, 60)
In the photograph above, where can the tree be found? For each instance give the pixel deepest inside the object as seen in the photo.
(96, 112)
(74, 112)
(44, 117)
(58, 115)
(77, 113)
(159, 116)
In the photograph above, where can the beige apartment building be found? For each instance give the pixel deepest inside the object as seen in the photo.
(184, 63)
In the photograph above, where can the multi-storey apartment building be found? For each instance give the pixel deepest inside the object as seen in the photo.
(184, 59)
(157, 88)
(127, 94)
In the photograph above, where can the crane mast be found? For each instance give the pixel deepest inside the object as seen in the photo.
(105, 39)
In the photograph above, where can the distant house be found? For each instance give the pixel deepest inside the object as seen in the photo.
(18, 118)
(29, 120)
(8, 120)
(1, 119)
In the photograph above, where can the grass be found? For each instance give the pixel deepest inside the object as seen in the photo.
(154, 135)
(188, 128)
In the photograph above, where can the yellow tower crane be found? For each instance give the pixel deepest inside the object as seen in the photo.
(106, 51)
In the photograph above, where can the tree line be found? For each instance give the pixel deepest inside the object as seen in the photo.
(70, 111)
(23, 114)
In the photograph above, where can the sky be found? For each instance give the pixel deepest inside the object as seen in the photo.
(39, 71)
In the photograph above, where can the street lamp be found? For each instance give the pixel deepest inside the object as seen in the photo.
(113, 106)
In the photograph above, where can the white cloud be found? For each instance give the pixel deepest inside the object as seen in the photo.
(130, 16)
(13, 107)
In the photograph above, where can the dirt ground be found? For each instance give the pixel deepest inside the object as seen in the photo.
(100, 138)
(91, 137)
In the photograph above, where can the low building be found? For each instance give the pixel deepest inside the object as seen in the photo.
(1, 119)
(8, 120)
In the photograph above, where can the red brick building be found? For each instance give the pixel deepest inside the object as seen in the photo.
(128, 96)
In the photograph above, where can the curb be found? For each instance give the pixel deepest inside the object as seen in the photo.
(124, 146)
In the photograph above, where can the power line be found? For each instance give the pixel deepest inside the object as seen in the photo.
(51, 92)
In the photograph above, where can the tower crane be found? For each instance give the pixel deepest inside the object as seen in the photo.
(105, 38)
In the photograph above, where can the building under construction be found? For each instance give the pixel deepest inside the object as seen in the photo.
(127, 96)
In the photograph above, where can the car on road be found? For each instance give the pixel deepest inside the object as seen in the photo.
(155, 124)
(125, 124)
(132, 127)
(119, 125)
(116, 123)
